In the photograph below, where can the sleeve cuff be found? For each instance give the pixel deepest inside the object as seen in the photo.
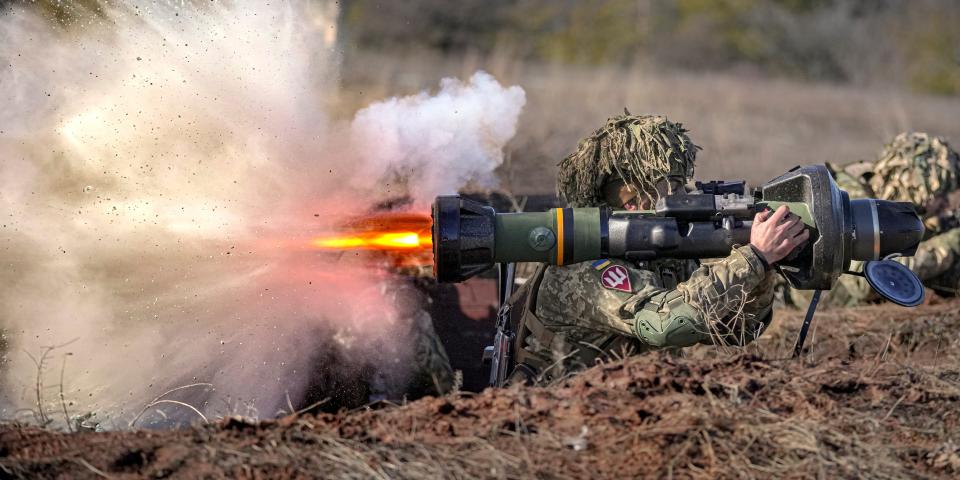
(757, 262)
(766, 264)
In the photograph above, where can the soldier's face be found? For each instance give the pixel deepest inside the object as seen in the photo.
(621, 196)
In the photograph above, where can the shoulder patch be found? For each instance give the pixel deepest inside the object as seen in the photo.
(616, 277)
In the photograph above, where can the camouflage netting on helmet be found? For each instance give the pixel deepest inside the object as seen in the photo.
(915, 167)
(640, 150)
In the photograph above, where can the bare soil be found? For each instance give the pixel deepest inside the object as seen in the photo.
(875, 396)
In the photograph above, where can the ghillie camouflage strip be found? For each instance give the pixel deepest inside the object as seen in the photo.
(640, 150)
(915, 167)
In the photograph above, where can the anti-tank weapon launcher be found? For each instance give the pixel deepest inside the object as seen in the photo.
(469, 238)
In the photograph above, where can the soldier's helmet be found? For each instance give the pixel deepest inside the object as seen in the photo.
(639, 150)
(915, 167)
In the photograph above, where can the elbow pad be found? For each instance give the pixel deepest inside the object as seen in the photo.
(666, 320)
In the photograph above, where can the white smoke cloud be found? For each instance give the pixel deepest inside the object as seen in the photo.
(442, 140)
(160, 168)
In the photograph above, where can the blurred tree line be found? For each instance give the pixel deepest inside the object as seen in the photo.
(911, 42)
(900, 42)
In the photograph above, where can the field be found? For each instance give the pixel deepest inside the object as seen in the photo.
(875, 396)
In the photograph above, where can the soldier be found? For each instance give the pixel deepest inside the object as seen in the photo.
(569, 317)
(921, 169)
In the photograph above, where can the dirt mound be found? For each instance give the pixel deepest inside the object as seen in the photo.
(876, 395)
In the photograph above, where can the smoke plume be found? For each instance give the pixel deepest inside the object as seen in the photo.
(162, 168)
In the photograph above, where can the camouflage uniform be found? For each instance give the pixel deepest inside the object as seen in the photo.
(566, 319)
(917, 168)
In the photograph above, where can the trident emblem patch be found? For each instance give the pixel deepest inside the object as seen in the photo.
(615, 277)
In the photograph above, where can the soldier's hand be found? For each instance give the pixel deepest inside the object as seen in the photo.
(775, 234)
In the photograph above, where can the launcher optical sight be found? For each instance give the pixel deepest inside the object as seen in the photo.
(469, 238)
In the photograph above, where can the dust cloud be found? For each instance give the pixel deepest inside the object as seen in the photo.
(162, 168)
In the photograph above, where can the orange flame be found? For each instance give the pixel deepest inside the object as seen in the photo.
(375, 241)
(405, 238)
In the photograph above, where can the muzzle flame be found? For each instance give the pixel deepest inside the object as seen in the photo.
(405, 237)
(375, 241)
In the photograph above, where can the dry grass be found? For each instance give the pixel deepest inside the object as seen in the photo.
(876, 397)
(749, 127)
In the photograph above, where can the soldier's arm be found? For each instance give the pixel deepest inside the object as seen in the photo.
(716, 295)
(727, 302)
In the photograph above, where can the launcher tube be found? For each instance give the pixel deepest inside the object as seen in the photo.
(562, 236)
(469, 238)
(559, 236)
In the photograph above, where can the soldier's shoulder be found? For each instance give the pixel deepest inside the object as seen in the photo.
(853, 177)
(606, 276)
